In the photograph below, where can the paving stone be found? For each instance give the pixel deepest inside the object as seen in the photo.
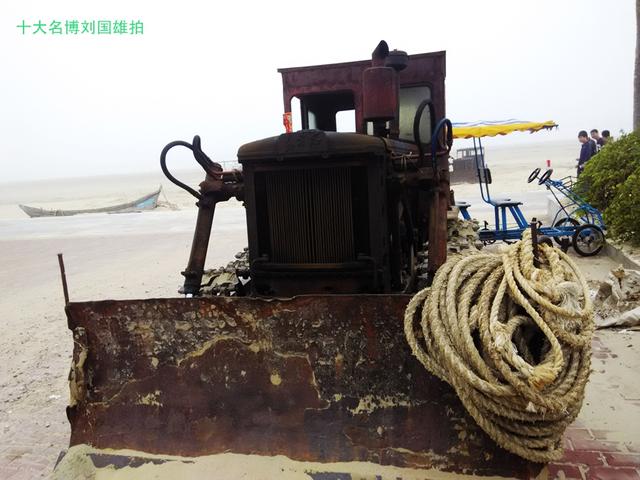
(596, 445)
(566, 444)
(583, 457)
(632, 447)
(564, 472)
(623, 459)
(578, 434)
(601, 434)
(610, 473)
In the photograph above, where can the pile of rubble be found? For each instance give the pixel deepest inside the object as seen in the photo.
(227, 280)
(617, 301)
(463, 235)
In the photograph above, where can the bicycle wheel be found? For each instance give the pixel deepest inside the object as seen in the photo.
(588, 240)
(565, 222)
(488, 237)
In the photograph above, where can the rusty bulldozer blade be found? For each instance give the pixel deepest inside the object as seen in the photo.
(314, 378)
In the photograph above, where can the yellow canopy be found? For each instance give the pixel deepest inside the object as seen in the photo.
(503, 127)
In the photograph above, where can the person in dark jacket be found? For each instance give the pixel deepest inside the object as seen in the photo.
(597, 138)
(586, 151)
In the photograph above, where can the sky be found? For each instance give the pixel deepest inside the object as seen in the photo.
(82, 105)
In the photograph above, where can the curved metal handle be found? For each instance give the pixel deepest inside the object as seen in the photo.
(445, 122)
(211, 168)
(417, 120)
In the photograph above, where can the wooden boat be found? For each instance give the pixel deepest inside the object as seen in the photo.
(146, 202)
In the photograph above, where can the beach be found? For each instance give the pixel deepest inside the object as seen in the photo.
(107, 256)
(141, 255)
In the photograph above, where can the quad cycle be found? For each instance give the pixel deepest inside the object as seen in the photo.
(576, 224)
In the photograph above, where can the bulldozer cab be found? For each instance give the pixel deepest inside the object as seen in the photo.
(324, 94)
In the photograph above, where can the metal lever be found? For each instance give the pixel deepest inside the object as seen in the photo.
(444, 123)
(211, 168)
(535, 240)
(212, 190)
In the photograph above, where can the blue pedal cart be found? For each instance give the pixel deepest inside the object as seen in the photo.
(576, 224)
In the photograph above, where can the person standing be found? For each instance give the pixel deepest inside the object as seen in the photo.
(606, 137)
(586, 150)
(599, 141)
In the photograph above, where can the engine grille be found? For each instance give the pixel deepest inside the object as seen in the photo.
(310, 215)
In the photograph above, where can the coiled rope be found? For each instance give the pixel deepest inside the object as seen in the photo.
(512, 339)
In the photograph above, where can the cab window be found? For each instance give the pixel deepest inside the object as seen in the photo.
(410, 99)
(328, 111)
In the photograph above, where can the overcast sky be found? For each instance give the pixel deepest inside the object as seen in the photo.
(78, 105)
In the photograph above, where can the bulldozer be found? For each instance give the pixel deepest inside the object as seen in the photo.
(294, 353)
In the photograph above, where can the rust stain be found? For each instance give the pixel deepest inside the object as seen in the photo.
(278, 377)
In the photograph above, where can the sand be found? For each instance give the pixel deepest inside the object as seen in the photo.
(138, 255)
(234, 466)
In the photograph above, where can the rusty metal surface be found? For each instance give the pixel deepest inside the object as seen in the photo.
(422, 69)
(315, 378)
(292, 215)
(379, 94)
(309, 143)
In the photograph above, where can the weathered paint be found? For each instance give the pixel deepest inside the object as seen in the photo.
(315, 378)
